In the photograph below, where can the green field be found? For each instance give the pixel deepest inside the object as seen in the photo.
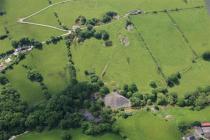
(146, 126)
(92, 55)
(57, 134)
(121, 64)
(141, 126)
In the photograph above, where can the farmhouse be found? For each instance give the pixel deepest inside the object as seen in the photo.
(116, 101)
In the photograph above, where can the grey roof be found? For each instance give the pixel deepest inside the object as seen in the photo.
(115, 101)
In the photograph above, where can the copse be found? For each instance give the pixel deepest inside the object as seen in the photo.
(173, 79)
(26, 43)
(54, 40)
(34, 76)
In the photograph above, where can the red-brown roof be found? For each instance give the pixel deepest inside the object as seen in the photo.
(205, 124)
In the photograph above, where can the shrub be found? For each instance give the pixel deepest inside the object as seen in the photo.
(108, 43)
(104, 35)
(3, 80)
(206, 56)
(153, 84)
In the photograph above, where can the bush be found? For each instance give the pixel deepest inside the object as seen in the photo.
(104, 35)
(174, 79)
(98, 35)
(206, 56)
(108, 43)
(153, 84)
(3, 80)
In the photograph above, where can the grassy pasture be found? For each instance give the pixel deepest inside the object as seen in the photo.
(138, 126)
(197, 31)
(51, 63)
(145, 126)
(68, 12)
(164, 41)
(17, 30)
(195, 28)
(57, 134)
(184, 114)
(5, 45)
(93, 55)
(197, 76)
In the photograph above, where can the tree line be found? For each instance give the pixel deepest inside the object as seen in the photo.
(196, 100)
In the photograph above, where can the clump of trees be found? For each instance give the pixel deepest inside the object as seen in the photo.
(54, 40)
(159, 96)
(26, 43)
(197, 99)
(90, 32)
(13, 113)
(107, 17)
(34, 76)
(206, 56)
(173, 79)
(95, 80)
